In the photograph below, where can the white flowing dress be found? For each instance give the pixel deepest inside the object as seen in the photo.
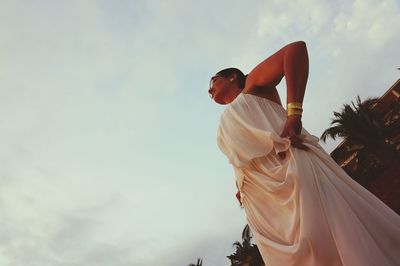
(304, 209)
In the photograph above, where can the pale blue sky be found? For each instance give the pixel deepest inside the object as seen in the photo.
(107, 133)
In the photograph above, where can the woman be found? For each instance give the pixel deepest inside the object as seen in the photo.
(302, 208)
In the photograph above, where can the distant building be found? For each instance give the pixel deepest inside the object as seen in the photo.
(387, 185)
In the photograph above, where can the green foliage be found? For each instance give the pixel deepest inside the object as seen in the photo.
(359, 125)
(367, 133)
(245, 251)
(199, 263)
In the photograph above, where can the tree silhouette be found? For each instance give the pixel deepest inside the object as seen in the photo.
(199, 263)
(366, 132)
(245, 251)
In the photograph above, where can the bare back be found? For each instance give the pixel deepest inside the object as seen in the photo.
(267, 93)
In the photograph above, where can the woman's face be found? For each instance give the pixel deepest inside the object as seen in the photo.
(221, 89)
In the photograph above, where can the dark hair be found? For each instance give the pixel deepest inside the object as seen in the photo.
(239, 74)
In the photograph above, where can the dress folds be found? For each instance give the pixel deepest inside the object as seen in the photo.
(304, 209)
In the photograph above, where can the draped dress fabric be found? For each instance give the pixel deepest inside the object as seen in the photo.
(304, 209)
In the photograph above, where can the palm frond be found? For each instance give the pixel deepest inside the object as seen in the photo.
(199, 263)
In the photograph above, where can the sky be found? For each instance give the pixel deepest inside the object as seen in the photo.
(107, 133)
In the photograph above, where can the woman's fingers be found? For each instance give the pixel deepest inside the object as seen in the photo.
(239, 198)
(300, 146)
(297, 142)
(292, 130)
(282, 155)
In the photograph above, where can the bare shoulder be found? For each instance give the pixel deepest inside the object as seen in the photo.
(270, 71)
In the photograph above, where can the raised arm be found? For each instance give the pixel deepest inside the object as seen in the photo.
(290, 62)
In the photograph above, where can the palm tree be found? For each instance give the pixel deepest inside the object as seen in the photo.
(366, 132)
(199, 263)
(245, 251)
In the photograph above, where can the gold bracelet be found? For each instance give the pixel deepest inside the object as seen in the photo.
(295, 105)
(293, 111)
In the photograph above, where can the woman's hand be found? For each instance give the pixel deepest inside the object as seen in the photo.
(292, 130)
(238, 197)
